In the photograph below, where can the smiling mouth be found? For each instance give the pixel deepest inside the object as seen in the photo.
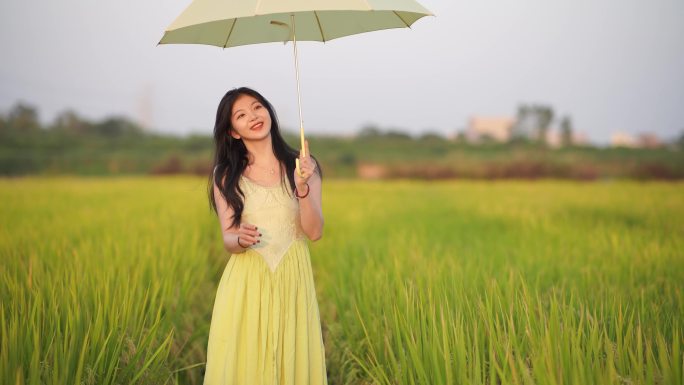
(257, 126)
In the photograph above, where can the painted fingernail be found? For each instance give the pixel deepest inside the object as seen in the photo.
(260, 234)
(259, 241)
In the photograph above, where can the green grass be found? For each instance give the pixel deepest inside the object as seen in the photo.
(111, 281)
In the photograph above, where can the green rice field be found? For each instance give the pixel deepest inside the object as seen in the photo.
(112, 281)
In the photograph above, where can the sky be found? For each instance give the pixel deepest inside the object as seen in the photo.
(611, 65)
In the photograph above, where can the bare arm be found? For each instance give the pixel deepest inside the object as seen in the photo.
(310, 210)
(310, 207)
(248, 233)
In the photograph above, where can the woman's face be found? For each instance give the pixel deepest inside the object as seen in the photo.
(250, 119)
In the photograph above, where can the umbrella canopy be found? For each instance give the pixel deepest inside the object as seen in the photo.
(231, 23)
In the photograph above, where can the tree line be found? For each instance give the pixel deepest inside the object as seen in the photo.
(72, 144)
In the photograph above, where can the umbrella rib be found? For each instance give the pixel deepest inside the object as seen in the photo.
(319, 26)
(230, 33)
(402, 20)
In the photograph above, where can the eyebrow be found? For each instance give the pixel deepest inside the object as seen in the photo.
(255, 101)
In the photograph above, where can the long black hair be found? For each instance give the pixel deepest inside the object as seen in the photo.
(230, 156)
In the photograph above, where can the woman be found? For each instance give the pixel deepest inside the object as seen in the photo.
(265, 326)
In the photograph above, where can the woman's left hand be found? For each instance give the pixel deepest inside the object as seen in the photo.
(307, 166)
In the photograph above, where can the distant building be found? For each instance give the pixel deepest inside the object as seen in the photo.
(501, 129)
(623, 139)
(649, 140)
(494, 128)
(553, 138)
(643, 140)
(145, 106)
(579, 138)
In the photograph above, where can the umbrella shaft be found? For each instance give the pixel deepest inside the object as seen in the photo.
(299, 98)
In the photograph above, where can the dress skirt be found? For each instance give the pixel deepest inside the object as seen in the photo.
(265, 326)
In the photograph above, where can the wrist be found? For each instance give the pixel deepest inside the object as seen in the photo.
(302, 191)
(239, 244)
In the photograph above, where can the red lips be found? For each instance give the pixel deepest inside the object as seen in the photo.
(254, 126)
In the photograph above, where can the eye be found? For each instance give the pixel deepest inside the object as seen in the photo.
(239, 116)
(258, 106)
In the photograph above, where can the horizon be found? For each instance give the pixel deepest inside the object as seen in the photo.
(554, 127)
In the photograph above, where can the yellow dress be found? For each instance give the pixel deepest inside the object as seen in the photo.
(265, 326)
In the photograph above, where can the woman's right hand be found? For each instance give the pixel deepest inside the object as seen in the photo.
(248, 235)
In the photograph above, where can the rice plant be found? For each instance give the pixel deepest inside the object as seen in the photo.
(111, 281)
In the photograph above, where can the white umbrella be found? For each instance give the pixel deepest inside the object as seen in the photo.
(231, 23)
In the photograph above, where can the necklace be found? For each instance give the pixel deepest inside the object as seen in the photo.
(269, 171)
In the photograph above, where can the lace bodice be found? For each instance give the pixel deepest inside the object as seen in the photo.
(275, 211)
